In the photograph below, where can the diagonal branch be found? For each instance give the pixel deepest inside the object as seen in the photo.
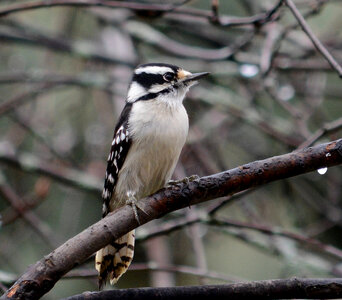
(330, 127)
(18, 100)
(42, 276)
(70, 176)
(317, 43)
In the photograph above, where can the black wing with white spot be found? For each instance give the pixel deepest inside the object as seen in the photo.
(118, 153)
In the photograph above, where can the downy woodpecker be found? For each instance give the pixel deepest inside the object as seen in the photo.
(147, 142)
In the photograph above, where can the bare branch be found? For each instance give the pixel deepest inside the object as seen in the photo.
(308, 288)
(319, 46)
(151, 36)
(229, 21)
(152, 266)
(43, 275)
(337, 253)
(327, 128)
(226, 21)
(66, 175)
(86, 80)
(177, 224)
(81, 49)
(83, 3)
(22, 98)
(30, 217)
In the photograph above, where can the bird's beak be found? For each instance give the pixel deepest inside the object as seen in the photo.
(195, 76)
(185, 76)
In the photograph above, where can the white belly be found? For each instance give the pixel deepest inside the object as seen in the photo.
(157, 140)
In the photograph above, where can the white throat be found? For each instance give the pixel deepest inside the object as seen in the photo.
(135, 92)
(174, 98)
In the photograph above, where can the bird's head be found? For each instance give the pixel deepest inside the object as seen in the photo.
(160, 81)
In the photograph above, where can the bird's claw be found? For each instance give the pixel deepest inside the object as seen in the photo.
(185, 180)
(133, 202)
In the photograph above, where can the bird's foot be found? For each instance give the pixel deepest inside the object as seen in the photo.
(186, 180)
(133, 202)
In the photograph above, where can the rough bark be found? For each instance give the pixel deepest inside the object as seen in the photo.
(265, 289)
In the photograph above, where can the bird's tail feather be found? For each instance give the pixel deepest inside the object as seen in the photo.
(113, 260)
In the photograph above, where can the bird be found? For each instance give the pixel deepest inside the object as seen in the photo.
(148, 139)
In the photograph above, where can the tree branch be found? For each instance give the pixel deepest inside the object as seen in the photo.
(42, 276)
(330, 127)
(18, 100)
(14, 8)
(156, 9)
(70, 176)
(153, 266)
(316, 42)
(165, 228)
(307, 288)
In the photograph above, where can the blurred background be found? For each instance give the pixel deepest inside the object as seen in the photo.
(64, 73)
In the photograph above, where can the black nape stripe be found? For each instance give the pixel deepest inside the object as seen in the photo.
(151, 96)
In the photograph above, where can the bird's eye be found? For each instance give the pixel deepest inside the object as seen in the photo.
(169, 76)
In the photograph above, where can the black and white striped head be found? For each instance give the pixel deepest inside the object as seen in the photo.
(161, 82)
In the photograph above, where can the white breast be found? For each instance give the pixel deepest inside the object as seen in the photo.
(158, 132)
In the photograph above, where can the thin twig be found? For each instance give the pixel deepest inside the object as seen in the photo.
(326, 129)
(31, 218)
(319, 46)
(180, 223)
(41, 139)
(3, 288)
(335, 252)
(215, 207)
(86, 273)
(22, 98)
(86, 80)
(73, 177)
(149, 35)
(9, 215)
(228, 21)
(15, 8)
(215, 9)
